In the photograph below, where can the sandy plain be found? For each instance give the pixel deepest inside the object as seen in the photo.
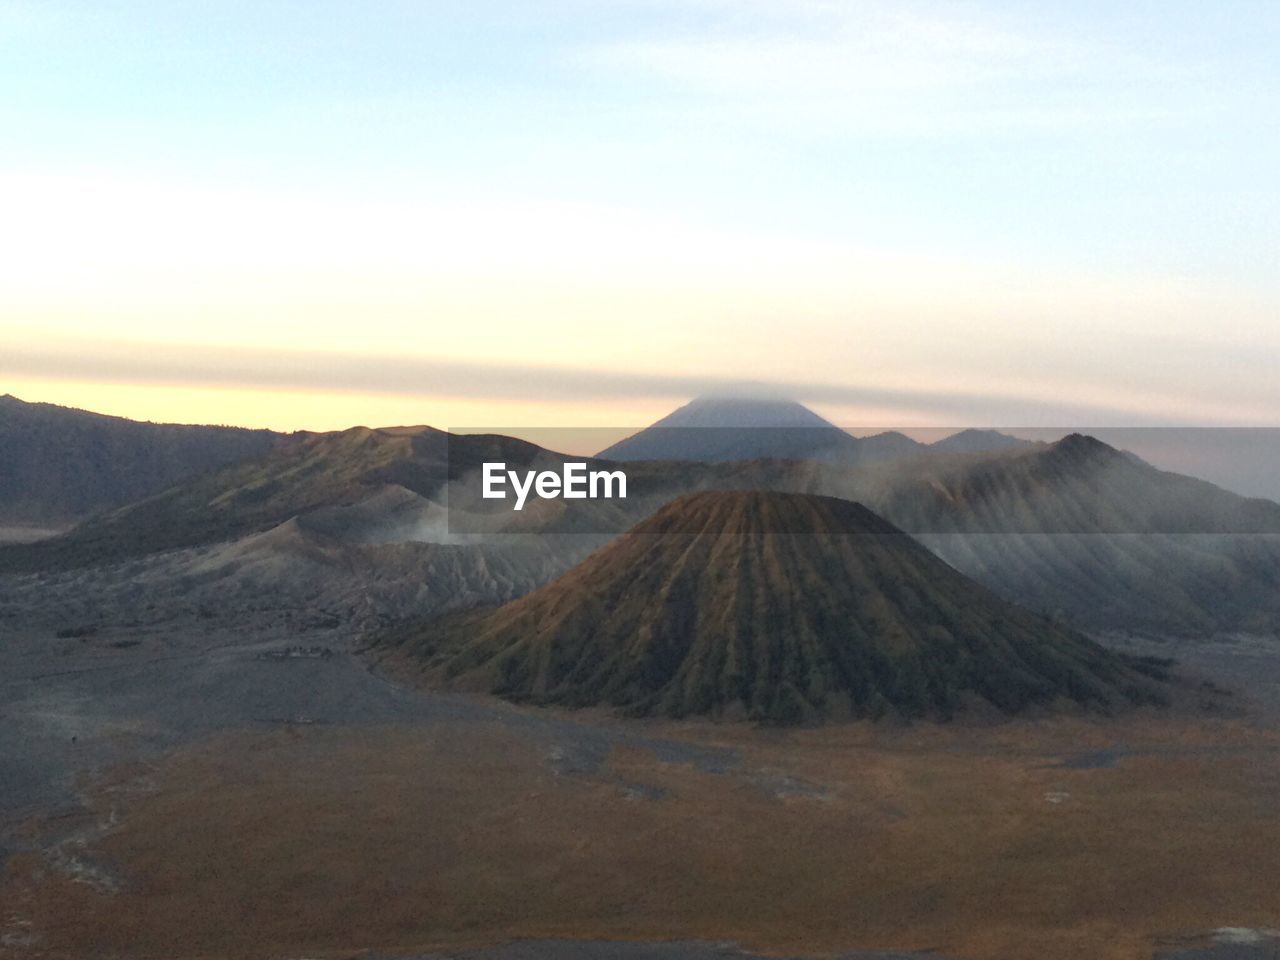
(181, 791)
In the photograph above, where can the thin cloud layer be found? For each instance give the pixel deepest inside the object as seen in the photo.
(224, 367)
(923, 68)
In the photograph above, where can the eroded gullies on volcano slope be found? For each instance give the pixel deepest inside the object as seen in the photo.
(782, 608)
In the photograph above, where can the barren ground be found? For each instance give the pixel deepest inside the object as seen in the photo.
(169, 792)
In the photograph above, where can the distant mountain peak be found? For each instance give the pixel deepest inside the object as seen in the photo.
(888, 445)
(1081, 446)
(979, 440)
(717, 410)
(720, 427)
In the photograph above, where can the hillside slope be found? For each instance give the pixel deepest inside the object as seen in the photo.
(774, 607)
(58, 465)
(301, 474)
(1076, 528)
(1077, 485)
(1081, 530)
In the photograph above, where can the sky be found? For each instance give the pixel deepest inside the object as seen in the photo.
(573, 213)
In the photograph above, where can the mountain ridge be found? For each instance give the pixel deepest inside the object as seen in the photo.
(1077, 528)
(717, 428)
(61, 464)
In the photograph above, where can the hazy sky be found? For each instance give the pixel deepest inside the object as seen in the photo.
(316, 214)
